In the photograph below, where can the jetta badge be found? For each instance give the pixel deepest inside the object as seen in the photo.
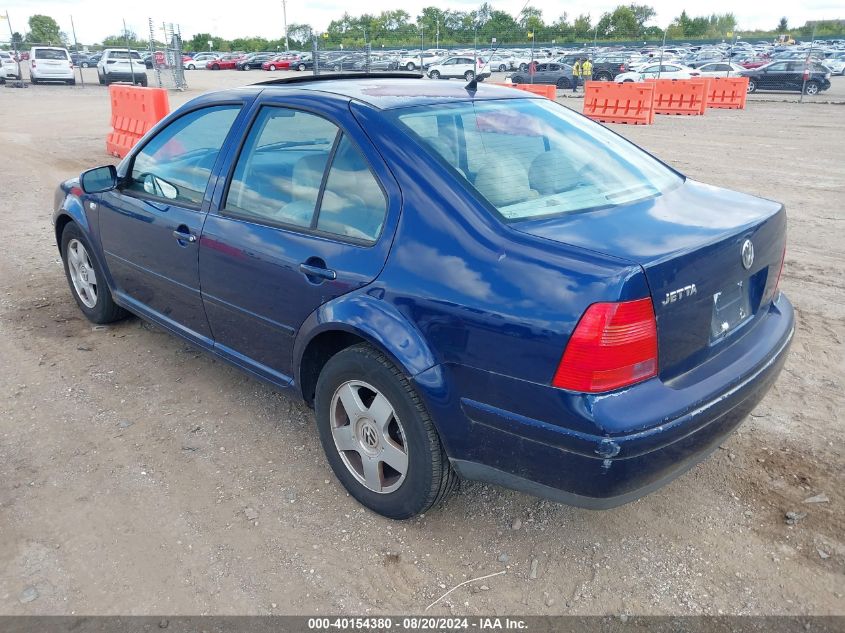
(680, 293)
(747, 254)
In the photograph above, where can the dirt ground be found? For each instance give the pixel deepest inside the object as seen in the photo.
(139, 476)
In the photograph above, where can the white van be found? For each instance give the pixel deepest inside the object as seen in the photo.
(50, 63)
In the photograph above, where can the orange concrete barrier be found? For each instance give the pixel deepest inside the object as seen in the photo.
(549, 91)
(706, 81)
(727, 92)
(611, 102)
(134, 111)
(678, 96)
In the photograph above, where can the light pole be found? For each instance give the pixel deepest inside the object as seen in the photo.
(285, 19)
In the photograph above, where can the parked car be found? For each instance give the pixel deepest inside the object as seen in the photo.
(50, 63)
(547, 73)
(836, 63)
(253, 61)
(306, 62)
(499, 63)
(226, 62)
(119, 64)
(661, 71)
(82, 60)
(459, 66)
(754, 61)
(555, 310)
(279, 62)
(789, 75)
(608, 67)
(720, 69)
(9, 68)
(419, 60)
(200, 59)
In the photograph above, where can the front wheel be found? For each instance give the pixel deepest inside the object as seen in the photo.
(812, 88)
(469, 75)
(378, 438)
(215, 67)
(502, 68)
(191, 67)
(434, 74)
(603, 77)
(273, 68)
(301, 67)
(247, 66)
(523, 67)
(410, 66)
(86, 279)
(563, 83)
(752, 86)
(85, 64)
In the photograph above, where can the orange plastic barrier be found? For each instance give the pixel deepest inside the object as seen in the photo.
(611, 102)
(134, 111)
(546, 90)
(727, 92)
(679, 96)
(706, 81)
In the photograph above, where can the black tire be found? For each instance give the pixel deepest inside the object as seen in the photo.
(812, 88)
(85, 64)
(502, 68)
(434, 74)
(191, 67)
(71, 82)
(272, 67)
(604, 77)
(34, 82)
(469, 75)
(752, 86)
(301, 68)
(429, 478)
(143, 82)
(563, 83)
(517, 79)
(105, 310)
(101, 80)
(410, 66)
(523, 67)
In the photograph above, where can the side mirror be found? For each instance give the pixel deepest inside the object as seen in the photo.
(99, 179)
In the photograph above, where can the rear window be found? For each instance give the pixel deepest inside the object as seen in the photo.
(124, 55)
(533, 158)
(50, 53)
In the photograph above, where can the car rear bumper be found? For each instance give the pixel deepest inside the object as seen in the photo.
(672, 428)
(126, 76)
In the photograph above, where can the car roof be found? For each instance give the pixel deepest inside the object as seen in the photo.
(399, 91)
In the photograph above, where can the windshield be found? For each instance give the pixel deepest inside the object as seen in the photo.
(50, 53)
(531, 157)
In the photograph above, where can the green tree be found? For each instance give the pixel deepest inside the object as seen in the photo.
(199, 42)
(783, 25)
(119, 41)
(43, 30)
(621, 24)
(582, 29)
(642, 13)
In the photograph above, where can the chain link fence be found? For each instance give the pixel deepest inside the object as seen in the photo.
(166, 61)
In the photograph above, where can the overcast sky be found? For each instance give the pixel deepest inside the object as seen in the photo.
(95, 19)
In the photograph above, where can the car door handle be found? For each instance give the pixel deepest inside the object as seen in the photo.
(317, 271)
(184, 236)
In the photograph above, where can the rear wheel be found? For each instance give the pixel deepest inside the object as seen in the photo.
(86, 278)
(301, 67)
(272, 67)
(502, 68)
(85, 64)
(434, 74)
(71, 82)
(191, 67)
(378, 438)
(563, 83)
(247, 66)
(469, 75)
(604, 77)
(516, 79)
(752, 86)
(523, 67)
(410, 66)
(812, 88)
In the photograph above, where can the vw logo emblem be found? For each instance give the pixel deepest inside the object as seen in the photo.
(747, 254)
(368, 433)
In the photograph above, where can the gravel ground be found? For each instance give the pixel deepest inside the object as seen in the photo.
(142, 477)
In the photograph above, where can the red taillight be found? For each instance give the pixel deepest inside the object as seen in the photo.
(613, 345)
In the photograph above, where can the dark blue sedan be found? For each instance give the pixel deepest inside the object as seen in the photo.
(463, 281)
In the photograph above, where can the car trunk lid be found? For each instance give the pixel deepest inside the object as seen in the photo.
(690, 242)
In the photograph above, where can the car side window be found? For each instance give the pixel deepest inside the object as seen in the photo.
(353, 203)
(177, 162)
(779, 67)
(280, 169)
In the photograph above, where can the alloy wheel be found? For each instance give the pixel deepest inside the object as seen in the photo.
(82, 273)
(369, 436)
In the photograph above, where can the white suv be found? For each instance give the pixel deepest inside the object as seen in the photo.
(9, 68)
(459, 66)
(119, 64)
(50, 63)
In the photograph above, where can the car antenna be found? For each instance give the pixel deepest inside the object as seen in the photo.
(472, 86)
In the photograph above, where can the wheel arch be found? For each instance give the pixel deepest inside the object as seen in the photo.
(347, 321)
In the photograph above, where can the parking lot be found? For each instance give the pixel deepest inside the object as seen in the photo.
(143, 477)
